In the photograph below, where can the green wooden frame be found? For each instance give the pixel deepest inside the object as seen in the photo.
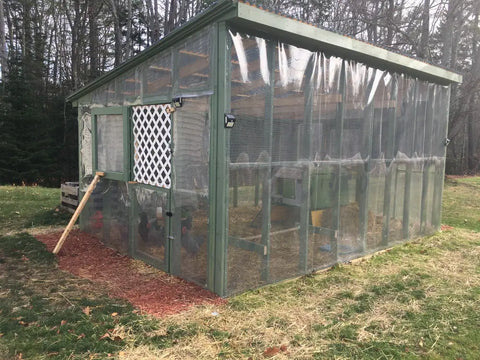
(120, 110)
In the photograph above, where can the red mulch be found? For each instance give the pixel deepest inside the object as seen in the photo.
(153, 292)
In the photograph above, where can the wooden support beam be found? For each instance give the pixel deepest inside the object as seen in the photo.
(77, 213)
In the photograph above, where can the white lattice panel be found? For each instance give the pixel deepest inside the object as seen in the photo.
(152, 137)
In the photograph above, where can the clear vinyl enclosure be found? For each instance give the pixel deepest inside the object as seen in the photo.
(329, 158)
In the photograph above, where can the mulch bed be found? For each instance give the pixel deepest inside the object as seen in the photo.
(150, 290)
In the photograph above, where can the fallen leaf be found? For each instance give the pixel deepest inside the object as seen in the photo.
(81, 336)
(114, 314)
(63, 322)
(86, 310)
(271, 351)
(105, 336)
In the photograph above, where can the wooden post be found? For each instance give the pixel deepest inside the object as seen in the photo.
(80, 207)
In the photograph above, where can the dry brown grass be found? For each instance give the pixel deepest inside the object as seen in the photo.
(308, 314)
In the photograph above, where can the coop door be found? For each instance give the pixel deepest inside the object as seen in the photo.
(152, 174)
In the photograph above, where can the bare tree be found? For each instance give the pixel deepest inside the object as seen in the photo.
(3, 47)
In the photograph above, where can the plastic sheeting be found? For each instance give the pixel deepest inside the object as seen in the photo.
(329, 159)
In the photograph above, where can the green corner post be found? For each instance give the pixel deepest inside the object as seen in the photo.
(217, 261)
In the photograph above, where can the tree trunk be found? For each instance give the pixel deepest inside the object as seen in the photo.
(3, 46)
(94, 8)
(128, 43)
(170, 19)
(448, 33)
(422, 51)
(390, 22)
(117, 31)
(472, 156)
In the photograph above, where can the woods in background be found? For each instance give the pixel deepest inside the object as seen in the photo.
(48, 48)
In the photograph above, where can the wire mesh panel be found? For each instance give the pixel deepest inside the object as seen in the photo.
(150, 225)
(152, 137)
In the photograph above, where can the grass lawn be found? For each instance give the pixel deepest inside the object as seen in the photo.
(417, 300)
(23, 207)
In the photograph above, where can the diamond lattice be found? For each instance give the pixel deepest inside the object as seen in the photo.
(152, 137)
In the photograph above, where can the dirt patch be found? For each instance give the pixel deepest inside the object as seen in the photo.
(151, 290)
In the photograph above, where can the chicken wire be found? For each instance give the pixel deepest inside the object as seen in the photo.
(158, 78)
(106, 214)
(190, 225)
(109, 143)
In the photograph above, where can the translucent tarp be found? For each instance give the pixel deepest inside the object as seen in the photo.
(329, 159)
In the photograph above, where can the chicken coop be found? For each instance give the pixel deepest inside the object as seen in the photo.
(246, 147)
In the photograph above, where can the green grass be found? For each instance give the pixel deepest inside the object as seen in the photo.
(417, 300)
(23, 207)
(461, 203)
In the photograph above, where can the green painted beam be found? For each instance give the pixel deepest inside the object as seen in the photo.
(424, 200)
(391, 167)
(306, 153)
(368, 115)
(338, 178)
(268, 141)
(217, 262)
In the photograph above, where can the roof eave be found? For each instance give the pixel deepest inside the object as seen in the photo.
(251, 17)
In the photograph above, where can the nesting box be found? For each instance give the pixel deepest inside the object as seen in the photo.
(246, 147)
